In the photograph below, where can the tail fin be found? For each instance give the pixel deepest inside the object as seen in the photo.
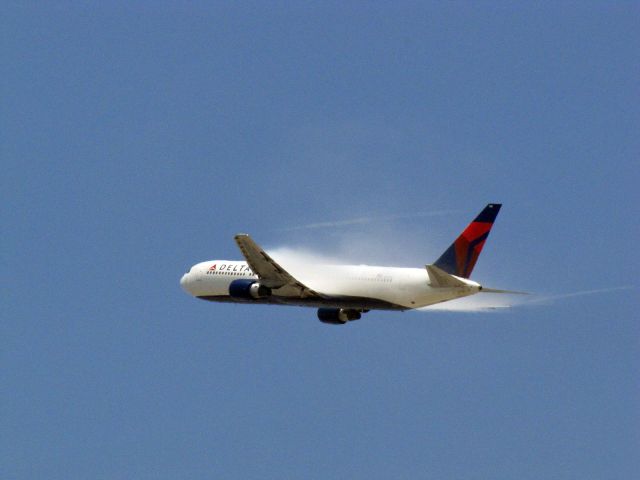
(461, 256)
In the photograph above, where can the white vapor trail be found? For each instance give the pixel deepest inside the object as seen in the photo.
(300, 258)
(366, 220)
(485, 302)
(551, 298)
(482, 302)
(302, 264)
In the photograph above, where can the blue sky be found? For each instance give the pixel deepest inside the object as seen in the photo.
(137, 139)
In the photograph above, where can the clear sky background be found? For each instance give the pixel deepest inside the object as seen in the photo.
(137, 139)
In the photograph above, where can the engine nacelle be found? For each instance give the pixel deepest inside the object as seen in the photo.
(337, 316)
(248, 289)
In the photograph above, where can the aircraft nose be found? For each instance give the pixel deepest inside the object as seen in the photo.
(184, 282)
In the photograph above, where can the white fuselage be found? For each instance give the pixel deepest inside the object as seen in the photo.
(353, 286)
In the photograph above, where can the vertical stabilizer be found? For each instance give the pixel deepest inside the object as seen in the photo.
(460, 258)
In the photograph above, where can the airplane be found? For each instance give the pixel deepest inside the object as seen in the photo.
(342, 293)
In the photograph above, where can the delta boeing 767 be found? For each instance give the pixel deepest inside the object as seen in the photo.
(343, 292)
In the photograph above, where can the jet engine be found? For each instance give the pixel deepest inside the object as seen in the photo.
(248, 289)
(337, 316)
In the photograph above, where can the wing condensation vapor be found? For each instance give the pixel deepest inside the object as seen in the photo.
(270, 273)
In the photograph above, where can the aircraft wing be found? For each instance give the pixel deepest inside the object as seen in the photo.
(269, 272)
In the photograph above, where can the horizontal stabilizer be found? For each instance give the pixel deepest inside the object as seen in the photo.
(440, 279)
(495, 290)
